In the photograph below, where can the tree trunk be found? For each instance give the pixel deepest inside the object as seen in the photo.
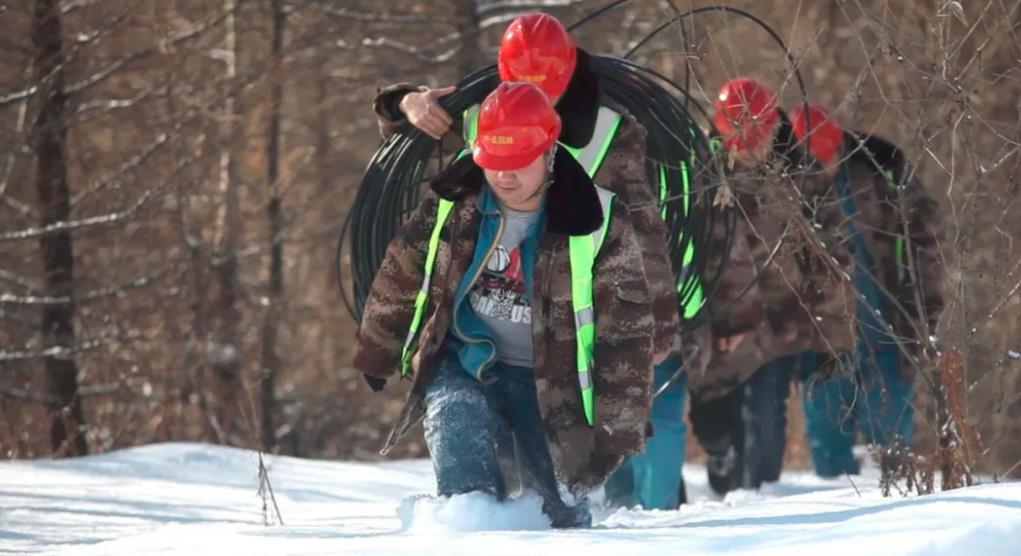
(49, 141)
(226, 356)
(270, 357)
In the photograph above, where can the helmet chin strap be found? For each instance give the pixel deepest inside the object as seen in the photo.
(549, 173)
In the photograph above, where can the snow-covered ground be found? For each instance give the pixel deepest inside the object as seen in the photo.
(198, 499)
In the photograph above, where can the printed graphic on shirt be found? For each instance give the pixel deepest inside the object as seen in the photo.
(500, 292)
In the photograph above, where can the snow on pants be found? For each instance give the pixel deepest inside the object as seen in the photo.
(467, 421)
(653, 477)
(877, 402)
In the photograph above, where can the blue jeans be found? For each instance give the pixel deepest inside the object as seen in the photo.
(653, 478)
(876, 402)
(469, 423)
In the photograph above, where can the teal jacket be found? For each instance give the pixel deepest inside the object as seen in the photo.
(470, 336)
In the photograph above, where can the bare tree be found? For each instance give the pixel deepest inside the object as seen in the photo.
(49, 141)
(275, 296)
(227, 351)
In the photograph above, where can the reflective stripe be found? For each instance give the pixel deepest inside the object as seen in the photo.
(407, 344)
(422, 299)
(585, 380)
(584, 317)
(591, 156)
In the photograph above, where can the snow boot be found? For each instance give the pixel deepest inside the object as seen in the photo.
(721, 464)
(562, 516)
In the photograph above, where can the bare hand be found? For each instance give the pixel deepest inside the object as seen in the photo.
(729, 343)
(424, 111)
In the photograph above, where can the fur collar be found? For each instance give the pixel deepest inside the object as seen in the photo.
(572, 203)
(579, 105)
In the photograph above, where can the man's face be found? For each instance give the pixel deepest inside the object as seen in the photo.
(746, 159)
(516, 189)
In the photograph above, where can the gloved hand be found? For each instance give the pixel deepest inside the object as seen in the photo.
(375, 383)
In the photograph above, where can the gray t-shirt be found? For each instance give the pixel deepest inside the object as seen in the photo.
(500, 296)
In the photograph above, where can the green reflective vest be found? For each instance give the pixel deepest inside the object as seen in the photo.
(689, 285)
(582, 252)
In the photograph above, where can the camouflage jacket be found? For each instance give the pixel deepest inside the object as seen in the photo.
(583, 456)
(791, 264)
(623, 172)
(901, 228)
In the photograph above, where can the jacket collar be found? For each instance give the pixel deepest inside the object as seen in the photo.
(579, 106)
(874, 150)
(572, 204)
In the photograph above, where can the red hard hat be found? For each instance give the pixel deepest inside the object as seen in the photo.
(745, 113)
(516, 124)
(826, 136)
(536, 48)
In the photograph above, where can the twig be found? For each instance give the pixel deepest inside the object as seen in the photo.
(850, 480)
(266, 486)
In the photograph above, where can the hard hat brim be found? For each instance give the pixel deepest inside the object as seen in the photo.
(489, 161)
